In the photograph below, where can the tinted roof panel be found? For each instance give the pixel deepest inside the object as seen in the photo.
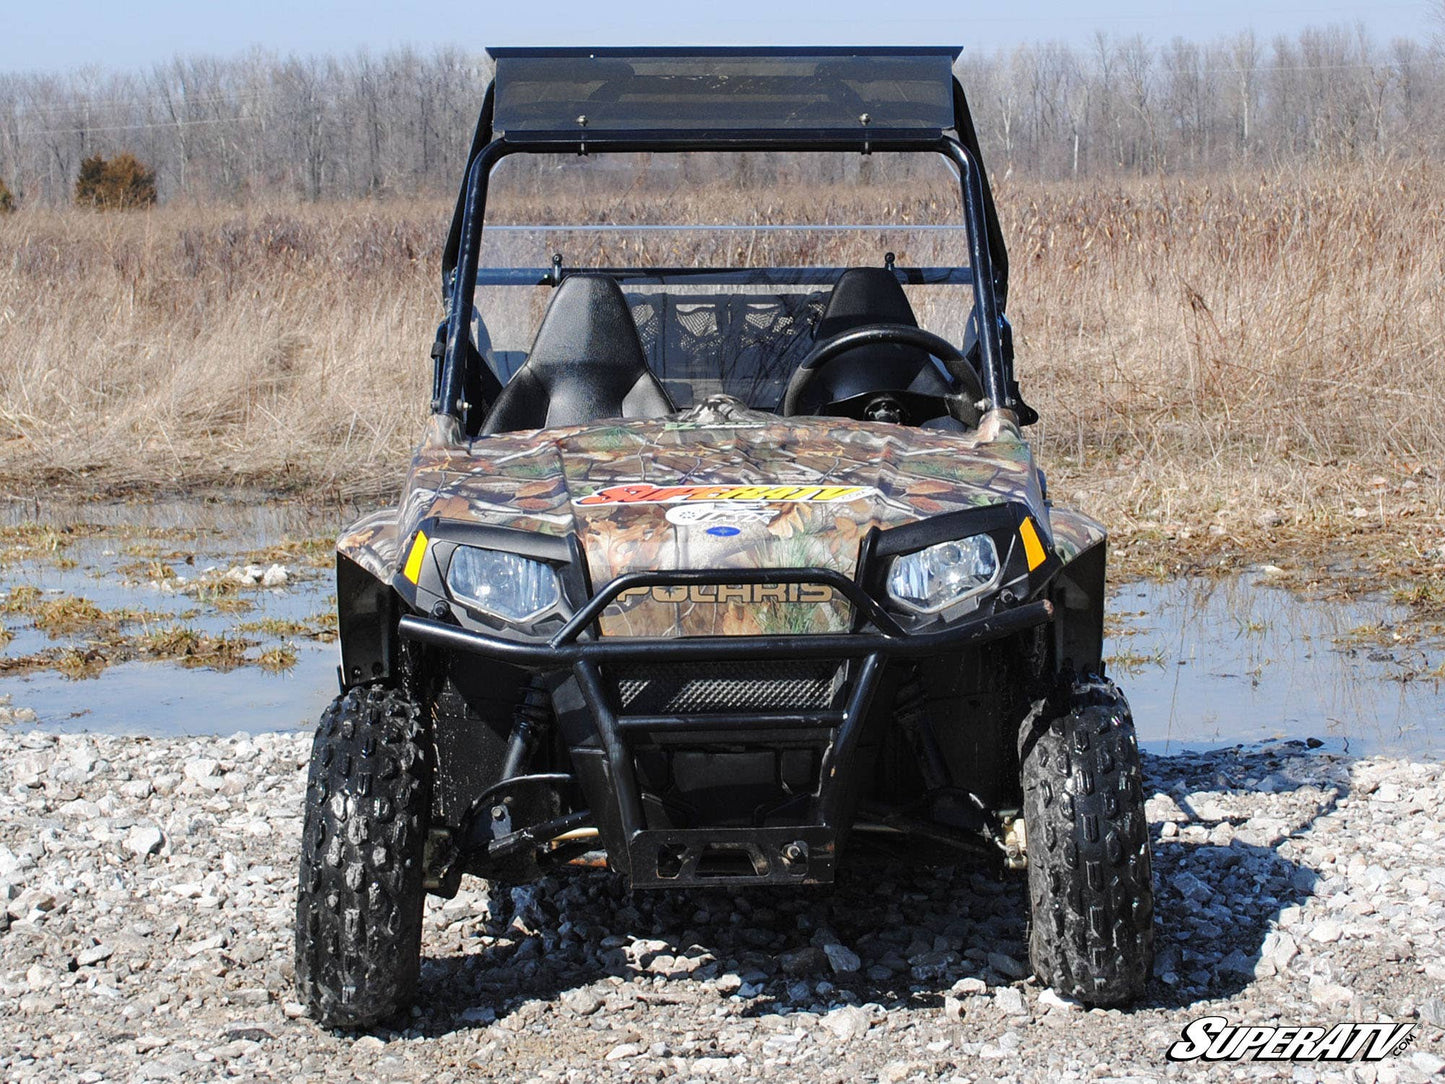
(597, 93)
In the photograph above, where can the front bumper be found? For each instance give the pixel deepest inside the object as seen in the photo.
(606, 741)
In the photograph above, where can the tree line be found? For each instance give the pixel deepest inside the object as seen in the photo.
(217, 129)
(399, 123)
(1130, 106)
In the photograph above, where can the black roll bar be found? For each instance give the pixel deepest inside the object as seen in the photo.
(464, 280)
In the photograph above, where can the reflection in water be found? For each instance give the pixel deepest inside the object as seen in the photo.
(244, 519)
(162, 699)
(1216, 662)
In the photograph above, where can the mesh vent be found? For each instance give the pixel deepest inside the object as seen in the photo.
(647, 315)
(702, 688)
(746, 345)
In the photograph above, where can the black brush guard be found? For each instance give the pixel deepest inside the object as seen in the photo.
(800, 853)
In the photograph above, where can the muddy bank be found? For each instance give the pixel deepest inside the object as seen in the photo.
(149, 895)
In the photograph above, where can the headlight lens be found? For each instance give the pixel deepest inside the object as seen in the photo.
(943, 575)
(502, 584)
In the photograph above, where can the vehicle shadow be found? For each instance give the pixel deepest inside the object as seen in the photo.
(1222, 878)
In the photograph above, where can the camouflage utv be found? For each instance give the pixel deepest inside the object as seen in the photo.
(712, 557)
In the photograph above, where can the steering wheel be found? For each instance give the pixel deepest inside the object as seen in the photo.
(970, 390)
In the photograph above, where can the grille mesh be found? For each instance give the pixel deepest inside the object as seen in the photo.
(702, 688)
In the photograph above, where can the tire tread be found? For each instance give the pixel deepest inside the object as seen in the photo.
(1091, 932)
(360, 895)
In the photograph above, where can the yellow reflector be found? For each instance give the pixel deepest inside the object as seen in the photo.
(1033, 548)
(412, 571)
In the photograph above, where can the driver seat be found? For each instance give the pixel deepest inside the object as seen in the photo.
(586, 363)
(862, 296)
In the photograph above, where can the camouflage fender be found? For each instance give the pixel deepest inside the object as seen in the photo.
(374, 541)
(372, 544)
(368, 554)
(1074, 533)
(1078, 591)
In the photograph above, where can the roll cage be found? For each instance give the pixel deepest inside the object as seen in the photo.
(746, 99)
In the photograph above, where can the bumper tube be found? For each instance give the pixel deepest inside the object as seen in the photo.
(658, 857)
(555, 656)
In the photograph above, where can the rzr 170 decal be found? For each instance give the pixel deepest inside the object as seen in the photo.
(645, 493)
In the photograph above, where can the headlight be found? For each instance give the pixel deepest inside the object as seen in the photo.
(502, 584)
(943, 575)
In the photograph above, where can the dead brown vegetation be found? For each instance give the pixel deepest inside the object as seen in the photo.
(121, 183)
(1250, 362)
(190, 347)
(1233, 360)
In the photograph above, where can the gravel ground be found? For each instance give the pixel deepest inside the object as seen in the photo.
(149, 896)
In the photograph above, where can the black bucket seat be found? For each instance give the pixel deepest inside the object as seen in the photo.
(586, 363)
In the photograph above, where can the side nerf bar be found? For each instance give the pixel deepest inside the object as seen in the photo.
(555, 655)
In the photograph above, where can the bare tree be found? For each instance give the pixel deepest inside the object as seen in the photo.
(1244, 59)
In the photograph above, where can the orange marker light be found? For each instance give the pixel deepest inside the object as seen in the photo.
(1033, 548)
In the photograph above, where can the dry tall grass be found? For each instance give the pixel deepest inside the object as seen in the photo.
(1238, 354)
(1225, 354)
(188, 347)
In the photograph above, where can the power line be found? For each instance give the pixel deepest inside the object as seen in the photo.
(1174, 15)
(1268, 69)
(183, 100)
(79, 101)
(101, 129)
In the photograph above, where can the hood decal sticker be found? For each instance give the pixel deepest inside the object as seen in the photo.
(646, 493)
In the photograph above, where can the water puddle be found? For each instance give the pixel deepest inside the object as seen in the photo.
(166, 700)
(167, 619)
(166, 650)
(1207, 663)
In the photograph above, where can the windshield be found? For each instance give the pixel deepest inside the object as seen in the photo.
(727, 260)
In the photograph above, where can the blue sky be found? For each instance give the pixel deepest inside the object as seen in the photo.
(62, 34)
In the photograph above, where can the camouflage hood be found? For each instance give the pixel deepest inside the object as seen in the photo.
(718, 486)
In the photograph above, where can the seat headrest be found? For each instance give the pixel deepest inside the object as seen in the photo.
(587, 319)
(865, 295)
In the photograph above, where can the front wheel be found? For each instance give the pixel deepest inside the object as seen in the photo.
(359, 902)
(1090, 887)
